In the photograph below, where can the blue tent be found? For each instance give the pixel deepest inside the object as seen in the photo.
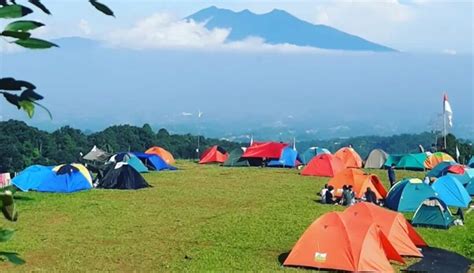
(408, 194)
(131, 160)
(154, 162)
(471, 162)
(31, 177)
(441, 169)
(64, 179)
(312, 152)
(289, 159)
(451, 191)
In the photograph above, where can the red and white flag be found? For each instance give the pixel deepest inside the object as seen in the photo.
(448, 112)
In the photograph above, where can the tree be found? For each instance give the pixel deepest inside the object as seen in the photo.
(21, 93)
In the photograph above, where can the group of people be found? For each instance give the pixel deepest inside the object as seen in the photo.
(347, 197)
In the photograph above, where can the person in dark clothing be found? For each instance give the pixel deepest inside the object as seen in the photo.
(391, 175)
(370, 196)
(346, 199)
(329, 197)
(433, 148)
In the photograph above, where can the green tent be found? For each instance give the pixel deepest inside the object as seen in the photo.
(234, 159)
(392, 159)
(433, 213)
(415, 162)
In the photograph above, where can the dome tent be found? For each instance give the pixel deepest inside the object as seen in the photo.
(324, 165)
(434, 159)
(131, 160)
(289, 159)
(376, 159)
(407, 194)
(451, 191)
(214, 154)
(235, 159)
(164, 154)
(122, 176)
(311, 153)
(433, 213)
(350, 157)
(360, 182)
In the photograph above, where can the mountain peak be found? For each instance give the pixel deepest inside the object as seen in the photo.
(280, 27)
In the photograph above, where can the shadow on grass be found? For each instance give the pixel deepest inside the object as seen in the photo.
(11, 257)
(282, 257)
(22, 198)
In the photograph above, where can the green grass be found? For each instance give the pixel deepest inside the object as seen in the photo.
(201, 218)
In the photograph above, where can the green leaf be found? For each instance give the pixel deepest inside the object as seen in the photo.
(23, 25)
(12, 257)
(16, 34)
(102, 8)
(6, 234)
(40, 5)
(14, 11)
(8, 206)
(28, 107)
(34, 43)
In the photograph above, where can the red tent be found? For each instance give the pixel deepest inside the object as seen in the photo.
(268, 150)
(332, 243)
(323, 165)
(214, 154)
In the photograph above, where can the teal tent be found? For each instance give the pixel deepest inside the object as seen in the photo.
(415, 162)
(451, 191)
(131, 160)
(441, 169)
(392, 159)
(235, 159)
(434, 213)
(312, 152)
(408, 194)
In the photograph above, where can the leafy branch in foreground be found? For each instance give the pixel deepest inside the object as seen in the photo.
(19, 33)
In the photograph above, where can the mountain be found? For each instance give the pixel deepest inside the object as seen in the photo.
(280, 27)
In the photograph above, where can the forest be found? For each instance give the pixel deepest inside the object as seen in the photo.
(22, 145)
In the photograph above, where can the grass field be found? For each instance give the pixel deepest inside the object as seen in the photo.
(201, 218)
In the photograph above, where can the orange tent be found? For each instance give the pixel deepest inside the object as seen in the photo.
(393, 224)
(164, 154)
(214, 154)
(436, 158)
(330, 243)
(350, 157)
(323, 165)
(359, 181)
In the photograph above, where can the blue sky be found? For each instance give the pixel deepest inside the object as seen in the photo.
(408, 25)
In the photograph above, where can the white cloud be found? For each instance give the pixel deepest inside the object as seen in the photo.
(84, 27)
(450, 51)
(186, 114)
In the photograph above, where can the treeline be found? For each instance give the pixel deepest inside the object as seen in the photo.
(22, 145)
(397, 144)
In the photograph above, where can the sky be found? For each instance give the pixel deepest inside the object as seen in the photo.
(434, 26)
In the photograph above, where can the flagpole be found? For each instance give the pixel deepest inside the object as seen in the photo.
(444, 121)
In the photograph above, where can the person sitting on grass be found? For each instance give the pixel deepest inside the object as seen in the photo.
(329, 196)
(351, 191)
(370, 196)
(346, 199)
(322, 193)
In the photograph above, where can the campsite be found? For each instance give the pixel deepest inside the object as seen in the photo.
(203, 217)
(257, 136)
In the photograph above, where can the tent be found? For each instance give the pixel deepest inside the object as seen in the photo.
(434, 213)
(63, 178)
(349, 157)
(436, 158)
(408, 194)
(393, 224)
(376, 159)
(312, 152)
(122, 176)
(31, 177)
(441, 169)
(331, 243)
(471, 162)
(131, 160)
(96, 154)
(324, 165)
(234, 159)
(289, 159)
(412, 162)
(264, 150)
(451, 191)
(393, 159)
(359, 180)
(214, 154)
(154, 162)
(164, 154)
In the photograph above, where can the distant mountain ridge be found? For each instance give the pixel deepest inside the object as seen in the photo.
(280, 27)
